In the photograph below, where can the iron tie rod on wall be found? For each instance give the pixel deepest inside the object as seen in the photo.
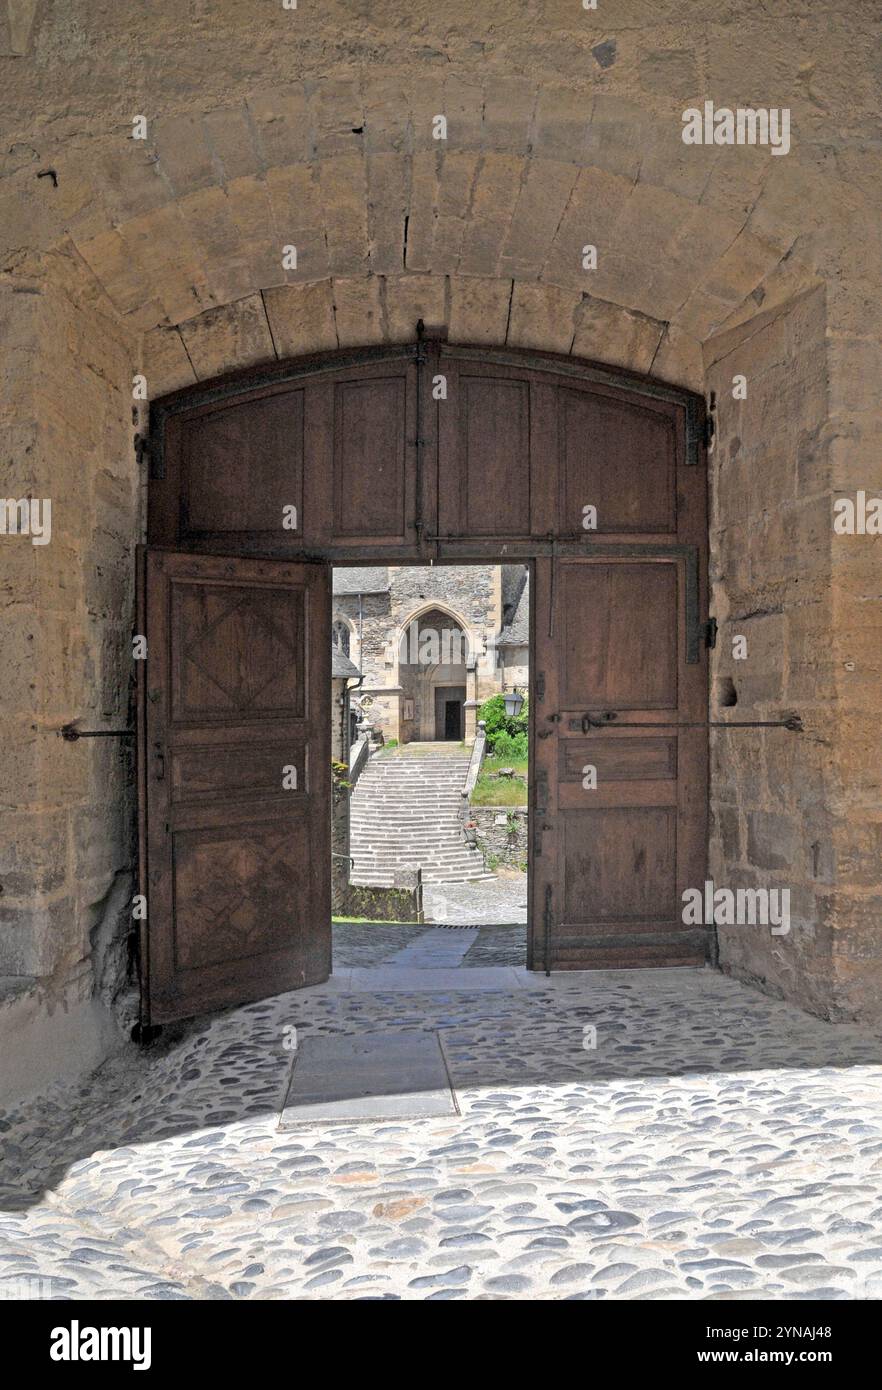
(70, 733)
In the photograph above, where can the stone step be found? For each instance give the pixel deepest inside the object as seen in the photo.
(416, 799)
(388, 881)
(404, 793)
(451, 845)
(426, 854)
(406, 814)
(419, 859)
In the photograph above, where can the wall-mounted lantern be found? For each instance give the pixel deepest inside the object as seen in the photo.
(513, 702)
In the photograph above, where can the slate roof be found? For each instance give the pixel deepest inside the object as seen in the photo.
(513, 577)
(517, 632)
(341, 666)
(366, 579)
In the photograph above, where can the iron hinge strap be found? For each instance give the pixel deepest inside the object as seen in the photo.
(546, 929)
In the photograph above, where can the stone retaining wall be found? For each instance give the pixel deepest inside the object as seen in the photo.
(494, 835)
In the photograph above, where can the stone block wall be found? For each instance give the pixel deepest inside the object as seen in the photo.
(66, 808)
(773, 790)
(383, 904)
(502, 833)
(339, 850)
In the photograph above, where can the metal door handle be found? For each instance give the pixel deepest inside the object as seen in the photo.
(608, 717)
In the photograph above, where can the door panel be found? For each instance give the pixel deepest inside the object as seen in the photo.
(619, 458)
(619, 635)
(485, 452)
(238, 674)
(619, 823)
(495, 444)
(371, 498)
(242, 467)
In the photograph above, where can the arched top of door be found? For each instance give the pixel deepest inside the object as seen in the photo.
(421, 450)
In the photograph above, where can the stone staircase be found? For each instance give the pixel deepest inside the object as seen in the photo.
(405, 814)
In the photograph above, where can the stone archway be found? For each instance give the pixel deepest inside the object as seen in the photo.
(433, 672)
(162, 260)
(420, 667)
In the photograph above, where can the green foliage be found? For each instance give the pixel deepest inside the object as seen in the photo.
(511, 746)
(499, 724)
(340, 775)
(493, 790)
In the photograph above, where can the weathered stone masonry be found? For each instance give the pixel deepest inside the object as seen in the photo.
(313, 128)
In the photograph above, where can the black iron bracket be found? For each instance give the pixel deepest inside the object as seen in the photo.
(546, 929)
(421, 357)
(609, 721)
(70, 733)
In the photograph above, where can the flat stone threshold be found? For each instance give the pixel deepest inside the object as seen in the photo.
(478, 980)
(367, 1077)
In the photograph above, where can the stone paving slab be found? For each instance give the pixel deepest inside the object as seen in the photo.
(703, 1142)
(368, 1076)
(436, 949)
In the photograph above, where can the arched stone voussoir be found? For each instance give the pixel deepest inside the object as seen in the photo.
(496, 217)
(293, 320)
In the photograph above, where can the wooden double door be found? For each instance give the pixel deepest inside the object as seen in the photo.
(598, 484)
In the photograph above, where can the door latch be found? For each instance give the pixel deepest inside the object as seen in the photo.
(589, 721)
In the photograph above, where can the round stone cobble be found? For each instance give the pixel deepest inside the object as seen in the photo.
(714, 1144)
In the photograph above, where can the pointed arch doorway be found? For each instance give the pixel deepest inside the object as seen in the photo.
(435, 669)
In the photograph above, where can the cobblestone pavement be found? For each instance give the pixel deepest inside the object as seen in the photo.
(497, 900)
(715, 1144)
(366, 944)
(498, 946)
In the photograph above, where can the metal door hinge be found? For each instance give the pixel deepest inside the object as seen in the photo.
(710, 633)
(546, 929)
(540, 685)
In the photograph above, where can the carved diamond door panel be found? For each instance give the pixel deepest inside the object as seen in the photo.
(234, 739)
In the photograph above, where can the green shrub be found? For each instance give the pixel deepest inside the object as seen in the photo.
(514, 746)
(498, 724)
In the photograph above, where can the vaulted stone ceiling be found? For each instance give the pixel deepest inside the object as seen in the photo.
(559, 135)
